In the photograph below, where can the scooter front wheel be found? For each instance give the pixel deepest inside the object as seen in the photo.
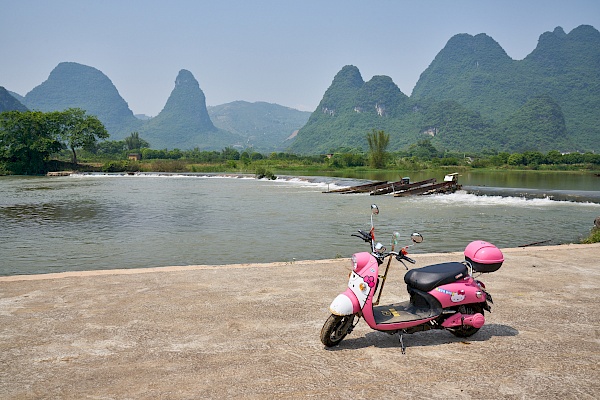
(335, 329)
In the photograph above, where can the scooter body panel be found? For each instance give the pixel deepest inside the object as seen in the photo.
(362, 284)
(464, 291)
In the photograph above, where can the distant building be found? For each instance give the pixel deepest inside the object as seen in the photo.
(134, 156)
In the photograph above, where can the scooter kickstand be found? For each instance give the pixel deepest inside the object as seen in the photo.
(402, 348)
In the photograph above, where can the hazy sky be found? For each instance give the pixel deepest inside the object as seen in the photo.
(284, 52)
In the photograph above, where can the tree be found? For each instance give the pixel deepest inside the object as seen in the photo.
(26, 141)
(78, 130)
(423, 149)
(229, 153)
(516, 159)
(111, 147)
(378, 143)
(134, 142)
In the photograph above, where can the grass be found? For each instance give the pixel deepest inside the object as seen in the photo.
(594, 236)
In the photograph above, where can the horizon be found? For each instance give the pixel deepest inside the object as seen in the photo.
(262, 51)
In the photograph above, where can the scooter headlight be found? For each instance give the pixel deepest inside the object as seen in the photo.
(354, 263)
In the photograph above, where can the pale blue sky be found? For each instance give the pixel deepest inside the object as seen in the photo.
(284, 52)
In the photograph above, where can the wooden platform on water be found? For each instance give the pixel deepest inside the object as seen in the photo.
(59, 173)
(403, 188)
(399, 186)
(358, 189)
(430, 188)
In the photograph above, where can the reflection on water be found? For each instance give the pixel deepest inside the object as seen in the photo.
(50, 213)
(101, 222)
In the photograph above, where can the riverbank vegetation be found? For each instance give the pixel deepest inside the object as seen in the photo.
(121, 156)
(118, 156)
(594, 236)
(33, 142)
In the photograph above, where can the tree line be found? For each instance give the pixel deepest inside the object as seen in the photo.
(28, 140)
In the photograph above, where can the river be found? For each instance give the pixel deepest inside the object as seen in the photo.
(107, 221)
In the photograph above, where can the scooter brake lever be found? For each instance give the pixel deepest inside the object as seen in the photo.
(410, 260)
(363, 233)
(403, 264)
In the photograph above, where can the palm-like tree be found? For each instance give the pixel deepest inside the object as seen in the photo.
(378, 143)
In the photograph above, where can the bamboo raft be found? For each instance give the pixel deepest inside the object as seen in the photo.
(432, 188)
(358, 189)
(449, 185)
(403, 188)
(398, 186)
(59, 173)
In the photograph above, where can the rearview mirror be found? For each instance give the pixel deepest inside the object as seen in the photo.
(417, 237)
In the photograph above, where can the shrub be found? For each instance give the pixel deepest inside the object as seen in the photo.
(594, 236)
(114, 166)
(168, 166)
(262, 172)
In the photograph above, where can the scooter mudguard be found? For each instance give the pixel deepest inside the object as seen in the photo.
(345, 304)
(465, 291)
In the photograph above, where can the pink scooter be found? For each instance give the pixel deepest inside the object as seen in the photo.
(442, 296)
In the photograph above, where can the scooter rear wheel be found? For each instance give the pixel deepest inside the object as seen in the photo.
(335, 329)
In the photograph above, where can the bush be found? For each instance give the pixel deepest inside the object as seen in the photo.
(121, 166)
(168, 166)
(594, 236)
(114, 166)
(262, 172)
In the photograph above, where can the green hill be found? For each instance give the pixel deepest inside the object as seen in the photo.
(184, 122)
(266, 127)
(473, 96)
(481, 77)
(9, 103)
(72, 85)
(351, 107)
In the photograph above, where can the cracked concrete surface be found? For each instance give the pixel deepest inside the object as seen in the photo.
(252, 331)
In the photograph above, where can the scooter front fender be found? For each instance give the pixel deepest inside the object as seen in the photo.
(345, 304)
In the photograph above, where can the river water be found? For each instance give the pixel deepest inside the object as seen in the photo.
(91, 222)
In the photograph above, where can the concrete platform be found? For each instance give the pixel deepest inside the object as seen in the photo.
(252, 331)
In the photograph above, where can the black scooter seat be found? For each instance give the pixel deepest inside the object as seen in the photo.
(432, 276)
